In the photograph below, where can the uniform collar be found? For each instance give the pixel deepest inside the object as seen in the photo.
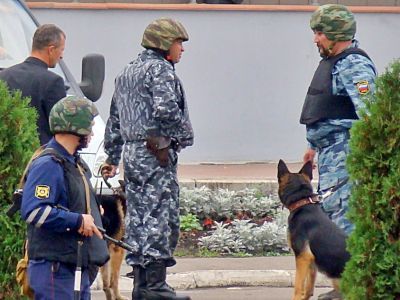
(150, 53)
(36, 61)
(354, 44)
(60, 149)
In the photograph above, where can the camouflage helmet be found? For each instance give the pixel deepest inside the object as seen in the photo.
(161, 33)
(335, 21)
(73, 114)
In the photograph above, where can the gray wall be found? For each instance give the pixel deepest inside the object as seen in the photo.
(245, 72)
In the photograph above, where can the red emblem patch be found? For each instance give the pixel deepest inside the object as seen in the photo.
(363, 87)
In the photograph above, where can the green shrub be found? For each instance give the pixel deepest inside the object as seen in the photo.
(373, 271)
(189, 222)
(18, 140)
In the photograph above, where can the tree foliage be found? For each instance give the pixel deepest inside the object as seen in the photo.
(18, 140)
(373, 271)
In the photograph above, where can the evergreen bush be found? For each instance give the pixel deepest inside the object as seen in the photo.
(373, 271)
(18, 140)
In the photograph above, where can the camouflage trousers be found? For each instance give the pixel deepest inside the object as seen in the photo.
(332, 154)
(152, 221)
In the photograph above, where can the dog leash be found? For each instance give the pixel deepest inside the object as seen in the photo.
(119, 243)
(116, 191)
(333, 189)
(315, 199)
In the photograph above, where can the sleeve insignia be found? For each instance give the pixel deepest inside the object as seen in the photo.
(363, 87)
(42, 191)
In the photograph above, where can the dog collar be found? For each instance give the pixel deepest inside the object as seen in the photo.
(305, 201)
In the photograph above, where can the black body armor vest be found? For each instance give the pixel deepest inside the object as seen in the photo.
(320, 104)
(62, 247)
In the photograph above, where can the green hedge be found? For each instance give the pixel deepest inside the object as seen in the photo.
(373, 271)
(18, 140)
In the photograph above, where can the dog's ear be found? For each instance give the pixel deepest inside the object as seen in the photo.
(282, 169)
(307, 169)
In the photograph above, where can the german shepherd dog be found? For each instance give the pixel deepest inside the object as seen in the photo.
(316, 241)
(113, 218)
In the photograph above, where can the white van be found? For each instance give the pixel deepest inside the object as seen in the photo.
(17, 26)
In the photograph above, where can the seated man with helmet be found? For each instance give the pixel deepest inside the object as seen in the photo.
(60, 207)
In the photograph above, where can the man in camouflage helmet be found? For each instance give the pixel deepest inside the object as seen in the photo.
(149, 122)
(54, 204)
(343, 80)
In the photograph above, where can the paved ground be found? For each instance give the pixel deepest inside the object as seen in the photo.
(206, 273)
(231, 293)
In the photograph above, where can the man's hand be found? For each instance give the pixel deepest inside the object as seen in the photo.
(88, 228)
(108, 171)
(309, 156)
(4, 54)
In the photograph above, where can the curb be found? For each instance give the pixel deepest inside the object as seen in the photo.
(225, 278)
(268, 185)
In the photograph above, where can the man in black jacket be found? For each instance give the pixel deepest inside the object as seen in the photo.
(34, 79)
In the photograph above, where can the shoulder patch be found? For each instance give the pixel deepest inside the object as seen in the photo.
(42, 191)
(363, 87)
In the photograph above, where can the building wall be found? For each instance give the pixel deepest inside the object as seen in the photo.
(262, 2)
(245, 72)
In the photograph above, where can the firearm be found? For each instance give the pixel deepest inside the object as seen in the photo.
(119, 243)
(16, 203)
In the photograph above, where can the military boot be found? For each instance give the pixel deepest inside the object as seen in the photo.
(156, 286)
(331, 295)
(139, 282)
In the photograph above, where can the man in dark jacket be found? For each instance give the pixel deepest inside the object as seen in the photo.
(33, 78)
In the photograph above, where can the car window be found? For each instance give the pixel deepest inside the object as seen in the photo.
(16, 32)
